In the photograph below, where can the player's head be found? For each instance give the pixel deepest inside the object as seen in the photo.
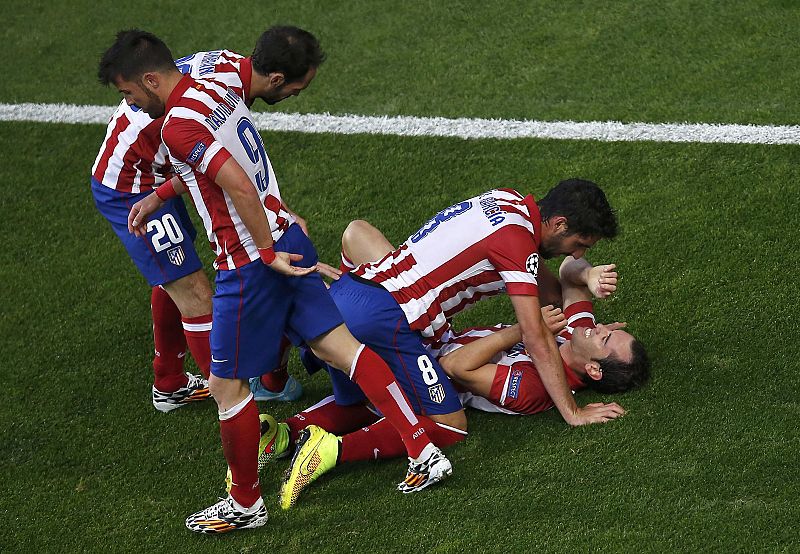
(612, 360)
(134, 64)
(289, 58)
(575, 215)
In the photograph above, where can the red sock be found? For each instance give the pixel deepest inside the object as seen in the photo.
(197, 330)
(381, 441)
(169, 342)
(240, 431)
(347, 264)
(333, 418)
(275, 380)
(375, 378)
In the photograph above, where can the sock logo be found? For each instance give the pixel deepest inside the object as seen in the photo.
(418, 433)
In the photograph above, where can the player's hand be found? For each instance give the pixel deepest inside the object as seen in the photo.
(602, 280)
(283, 264)
(302, 223)
(141, 212)
(329, 271)
(596, 412)
(554, 319)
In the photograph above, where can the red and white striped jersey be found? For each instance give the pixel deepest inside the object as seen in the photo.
(208, 122)
(477, 248)
(517, 388)
(132, 157)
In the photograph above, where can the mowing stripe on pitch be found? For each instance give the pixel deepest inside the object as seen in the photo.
(465, 128)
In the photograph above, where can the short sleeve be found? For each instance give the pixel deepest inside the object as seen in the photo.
(513, 251)
(192, 143)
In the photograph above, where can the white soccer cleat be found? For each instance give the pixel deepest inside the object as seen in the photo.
(196, 389)
(227, 515)
(431, 467)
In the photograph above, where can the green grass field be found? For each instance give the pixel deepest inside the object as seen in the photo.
(706, 459)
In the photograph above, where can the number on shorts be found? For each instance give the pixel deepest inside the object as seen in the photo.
(168, 232)
(427, 370)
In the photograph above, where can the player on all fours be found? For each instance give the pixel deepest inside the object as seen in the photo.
(477, 248)
(492, 368)
(132, 161)
(218, 154)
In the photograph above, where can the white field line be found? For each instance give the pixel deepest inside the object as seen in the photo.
(465, 128)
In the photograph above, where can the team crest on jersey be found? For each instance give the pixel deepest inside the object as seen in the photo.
(514, 383)
(176, 255)
(532, 264)
(436, 393)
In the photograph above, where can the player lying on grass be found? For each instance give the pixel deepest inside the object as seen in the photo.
(490, 367)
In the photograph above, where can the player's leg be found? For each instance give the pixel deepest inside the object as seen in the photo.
(249, 309)
(361, 243)
(166, 254)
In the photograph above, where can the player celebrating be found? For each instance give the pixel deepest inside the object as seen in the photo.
(218, 154)
(133, 161)
(477, 248)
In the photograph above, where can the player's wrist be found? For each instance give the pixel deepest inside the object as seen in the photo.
(267, 255)
(166, 191)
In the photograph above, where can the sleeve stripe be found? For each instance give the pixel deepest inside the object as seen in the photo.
(517, 277)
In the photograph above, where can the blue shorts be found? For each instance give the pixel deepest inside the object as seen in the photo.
(254, 306)
(167, 252)
(375, 318)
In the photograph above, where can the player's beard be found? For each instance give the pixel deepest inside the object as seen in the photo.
(155, 107)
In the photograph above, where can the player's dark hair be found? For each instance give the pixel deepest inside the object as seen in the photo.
(619, 376)
(584, 205)
(133, 54)
(288, 50)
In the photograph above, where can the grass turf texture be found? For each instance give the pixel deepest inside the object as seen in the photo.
(704, 460)
(671, 60)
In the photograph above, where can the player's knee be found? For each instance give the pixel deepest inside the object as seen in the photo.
(352, 233)
(457, 420)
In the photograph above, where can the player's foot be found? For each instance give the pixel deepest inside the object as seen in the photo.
(431, 467)
(196, 389)
(274, 441)
(316, 453)
(291, 391)
(227, 515)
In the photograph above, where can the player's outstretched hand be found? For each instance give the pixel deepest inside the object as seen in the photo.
(597, 412)
(140, 213)
(602, 280)
(554, 319)
(329, 271)
(282, 264)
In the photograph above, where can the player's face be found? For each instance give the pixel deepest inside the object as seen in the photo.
(136, 94)
(564, 244)
(290, 89)
(601, 342)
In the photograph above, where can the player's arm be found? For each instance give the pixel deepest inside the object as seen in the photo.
(479, 352)
(600, 280)
(141, 211)
(541, 347)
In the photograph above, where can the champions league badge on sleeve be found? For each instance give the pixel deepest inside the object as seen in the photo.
(532, 264)
(176, 255)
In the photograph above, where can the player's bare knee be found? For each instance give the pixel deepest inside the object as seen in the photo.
(457, 420)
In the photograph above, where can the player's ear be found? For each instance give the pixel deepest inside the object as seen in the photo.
(150, 80)
(276, 79)
(559, 223)
(593, 370)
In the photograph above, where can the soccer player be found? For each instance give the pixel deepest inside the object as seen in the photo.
(220, 157)
(477, 248)
(496, 374)
(133, 161)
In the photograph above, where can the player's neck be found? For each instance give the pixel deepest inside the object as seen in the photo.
(570, 358)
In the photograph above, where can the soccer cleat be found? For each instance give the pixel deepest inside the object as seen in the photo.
(316, 453)
(291, 391)
(227, 515)
(428, 469)
(196, 389)
(274, 441)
